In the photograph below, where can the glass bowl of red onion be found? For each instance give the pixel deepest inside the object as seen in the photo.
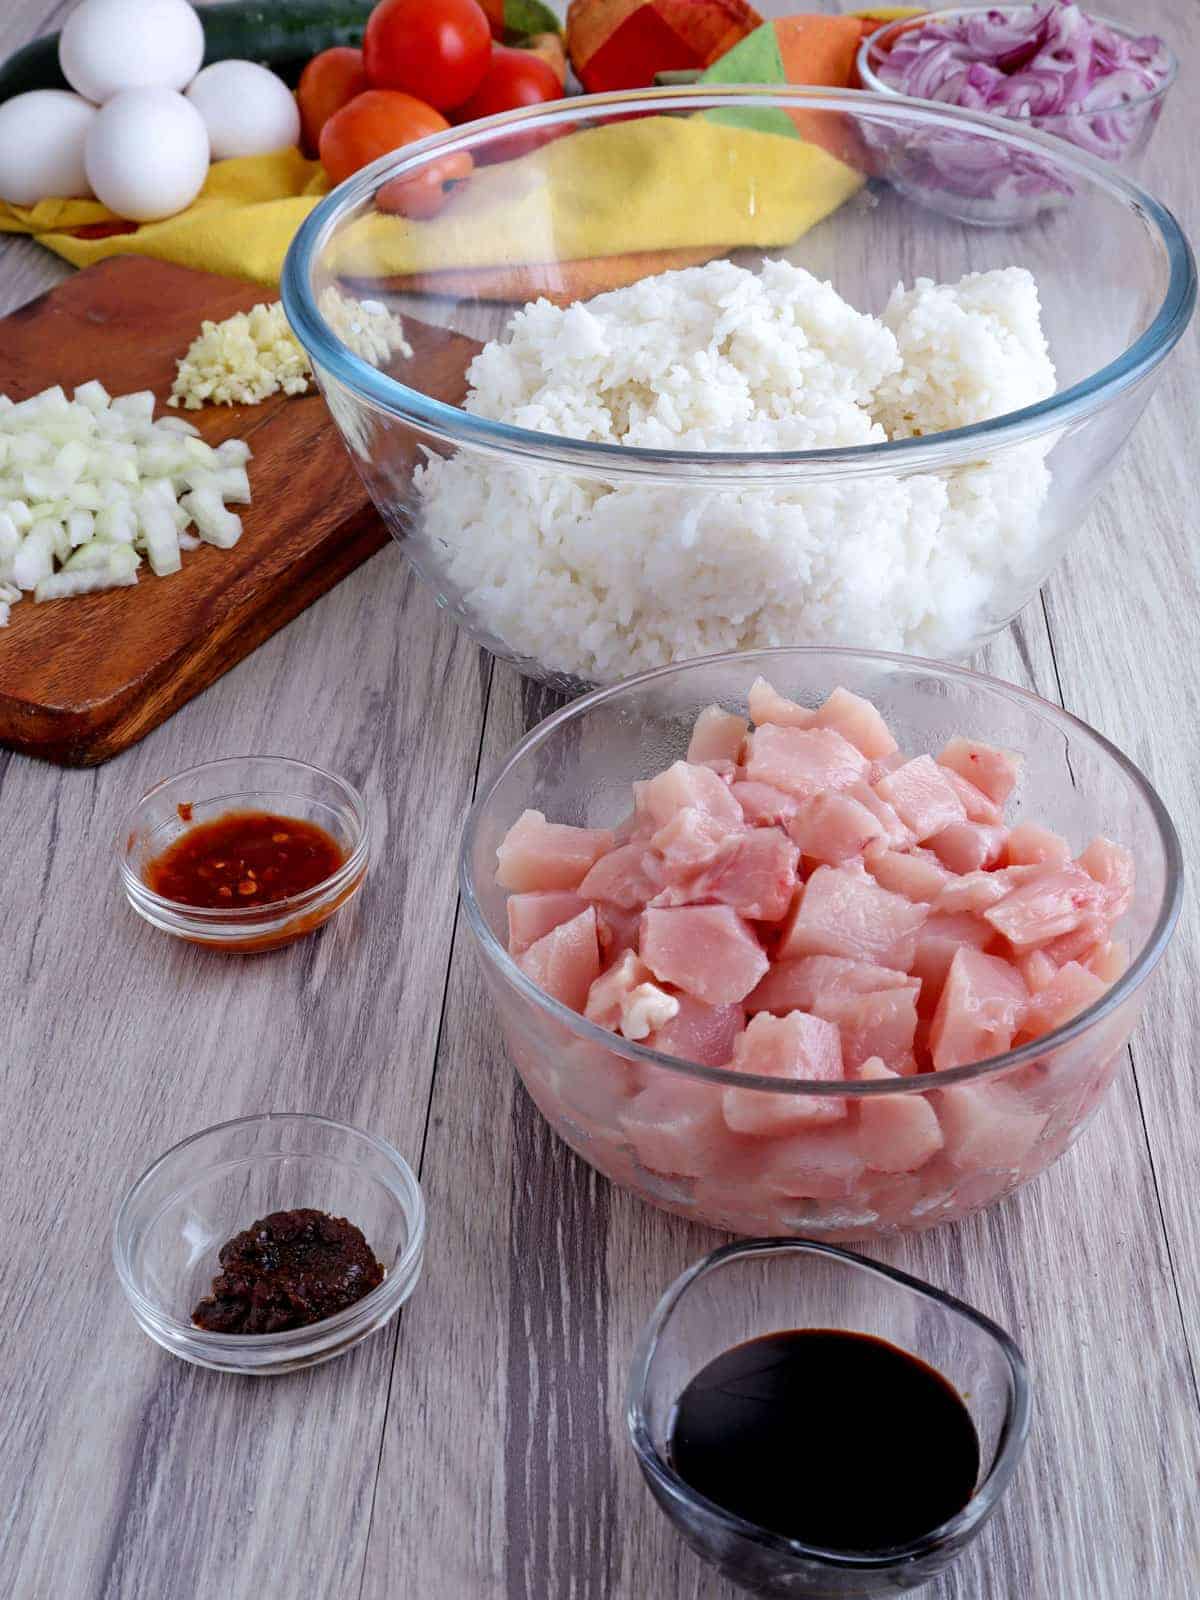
(1050, 66)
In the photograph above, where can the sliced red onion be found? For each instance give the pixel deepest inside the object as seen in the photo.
(1048, 63)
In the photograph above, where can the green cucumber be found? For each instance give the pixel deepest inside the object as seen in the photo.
(34, 66)
(281, 34)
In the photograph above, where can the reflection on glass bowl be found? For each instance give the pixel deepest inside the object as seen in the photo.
(586, 558)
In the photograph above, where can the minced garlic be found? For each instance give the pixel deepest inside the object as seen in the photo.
(255, 354)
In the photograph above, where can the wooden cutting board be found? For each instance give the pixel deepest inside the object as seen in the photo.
(82, 679)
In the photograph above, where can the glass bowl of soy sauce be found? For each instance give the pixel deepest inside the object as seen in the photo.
(816, 1424)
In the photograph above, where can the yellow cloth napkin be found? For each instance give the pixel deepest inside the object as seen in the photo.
(649, 184)
(654, 183)
(240, 223)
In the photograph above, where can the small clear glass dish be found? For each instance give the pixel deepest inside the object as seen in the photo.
(771, 1285)
(1118, 133)
(179, 1213)
(244, 783)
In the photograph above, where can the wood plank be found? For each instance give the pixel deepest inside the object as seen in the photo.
(84, 678)
(569, 1515)
(121, 1041)
(1123, 608)
(125, 1473)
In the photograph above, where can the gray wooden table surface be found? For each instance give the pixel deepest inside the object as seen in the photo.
(476, 1449)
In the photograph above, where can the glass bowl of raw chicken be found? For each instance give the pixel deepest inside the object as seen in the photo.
(689, 371)
(818, 942)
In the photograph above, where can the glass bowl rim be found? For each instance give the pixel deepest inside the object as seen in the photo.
(1008, 1452)
(951, 447)
(143, 897)
(1139, 969)
(395, 1282)
(876, 85)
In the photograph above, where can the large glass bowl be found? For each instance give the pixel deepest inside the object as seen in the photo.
(518, 532)
(1003, 1120)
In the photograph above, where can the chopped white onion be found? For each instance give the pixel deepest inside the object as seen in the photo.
(94, 482)
(214, 524)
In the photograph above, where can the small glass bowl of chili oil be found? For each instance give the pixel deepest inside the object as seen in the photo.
(204, 1195)
(815, 1424)
(244, 854)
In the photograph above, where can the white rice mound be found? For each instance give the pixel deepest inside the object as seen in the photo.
(597, 580)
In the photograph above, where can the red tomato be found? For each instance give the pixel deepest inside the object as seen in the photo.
(425, 192)
(494, 11)
(329, 81)
(381, 120)
(437, 50)
(515, 78)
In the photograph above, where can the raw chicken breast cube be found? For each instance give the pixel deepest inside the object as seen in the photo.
(799, 985)
(765, 705)
(676, 1127)
(625, 1000)
(753, 872)
(1081, 943)
(882, 1024)
(969, 846)
(700, 1033)
(611, 988)
(709, 951)
(593, 1085)
(844, 912)
(1032, 846)
(1111, 866)
(898, 835)
(994, 771)
(565, 962)
(987, 1126)
(803, 761)
(762, 806)
(834, 828)
(536, 854)
(916, 874)
(975, 803)
(885, 764)
(1037, 970)
(618, 929)
(734, 1199)
(625, 877)
(688, 842)
(1072, 989)
(1053, 902)
(976, 891)
(897, 1132)
(894, 1196)
(794, 1047)
(982, 1005)
(1111, 962)
(824, 1163)
(940, 937)
(920, 794)
(717, 736)
(858, 722)
(686, 786)
(532, 915)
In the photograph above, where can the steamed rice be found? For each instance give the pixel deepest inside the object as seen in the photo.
(599, 579)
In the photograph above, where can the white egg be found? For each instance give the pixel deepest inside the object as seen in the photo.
(110, 45)
(42, 135)
(147, 154)
(247, 110)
